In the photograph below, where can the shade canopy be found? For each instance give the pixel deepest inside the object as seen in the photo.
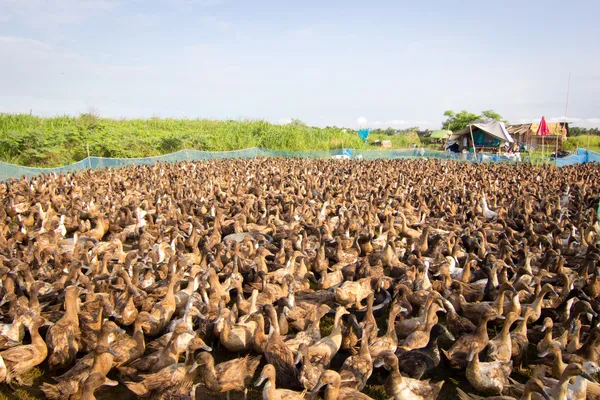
(496, 129)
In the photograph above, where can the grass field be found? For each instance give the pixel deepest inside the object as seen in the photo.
(51, 142)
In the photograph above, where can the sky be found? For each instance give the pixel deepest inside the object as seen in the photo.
(326, 62)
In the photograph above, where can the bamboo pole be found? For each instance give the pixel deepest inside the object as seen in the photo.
(87, 147)
(567, 103)
(473, 141)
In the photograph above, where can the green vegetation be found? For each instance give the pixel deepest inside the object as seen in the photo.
(57, 141)
(34, 141)
(457, 121)
(590, 142)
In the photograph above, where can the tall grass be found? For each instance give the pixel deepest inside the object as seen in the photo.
(590, 142)
(35, 141)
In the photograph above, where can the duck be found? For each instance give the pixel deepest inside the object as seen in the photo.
(487, 377)
(323, 350)
(388, 341)
(309, 371)
(457, 354)
(172, 378)
(19, 360)
(233, 375)
(500, 347)
(536, 306)
(167, 355)
(519, 340)
(270, 390)
(418, 362)
(358, 368)
(332, 381)
(534, 385)
(278, 354)
(63, 338)
(352, 293)
(92, 383)
(400, 387)
(102, 359)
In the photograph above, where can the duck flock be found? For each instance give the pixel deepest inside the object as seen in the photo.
(300, 279)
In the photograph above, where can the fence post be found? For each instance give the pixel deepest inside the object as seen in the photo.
(87, 146)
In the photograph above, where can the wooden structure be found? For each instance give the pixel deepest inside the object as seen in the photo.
(525, 134)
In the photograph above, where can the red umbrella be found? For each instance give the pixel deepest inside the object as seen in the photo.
(543, 129)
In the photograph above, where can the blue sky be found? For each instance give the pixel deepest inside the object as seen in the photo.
(391, 63)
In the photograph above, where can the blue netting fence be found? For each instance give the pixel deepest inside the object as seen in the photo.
(8, 171)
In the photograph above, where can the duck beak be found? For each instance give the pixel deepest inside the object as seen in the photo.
(318, 387)
(205, 347)
(196, 365)
(48, 323)
(298, 358)
(590, 316)
(379, 363)
(120, 331)
(588, 377)
(110, 382)
(543, 354)
(260, 380)
(112, 352)
(544, 394)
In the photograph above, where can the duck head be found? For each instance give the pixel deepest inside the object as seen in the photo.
(267, 373)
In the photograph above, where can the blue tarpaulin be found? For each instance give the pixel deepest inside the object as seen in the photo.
(363, 133)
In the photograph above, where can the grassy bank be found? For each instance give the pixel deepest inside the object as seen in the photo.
(35, 141)
(590, 142)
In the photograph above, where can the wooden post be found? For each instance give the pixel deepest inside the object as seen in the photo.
(87, 146)
(473, 142)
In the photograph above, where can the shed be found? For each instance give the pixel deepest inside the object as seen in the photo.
(487, 135)
(525, 134)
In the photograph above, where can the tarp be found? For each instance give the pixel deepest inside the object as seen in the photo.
(493, 128)
(363, 134)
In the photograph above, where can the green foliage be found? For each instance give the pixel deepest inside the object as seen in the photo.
(457, 121)
(578, 131)
(590, 142)
(48, 142)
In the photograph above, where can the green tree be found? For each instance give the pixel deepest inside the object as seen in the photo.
(457, 121)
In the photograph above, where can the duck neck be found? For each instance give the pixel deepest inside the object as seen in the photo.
(521, 328)
(505, 333)
(36, 338)
(481, 332)
(391, 329)
(259, 335)
(209, 376)
(71, 308)
(562, 386)
(558, 366)
(499, 303)
(333, 390)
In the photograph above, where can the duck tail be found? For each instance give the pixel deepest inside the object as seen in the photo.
(252, 364)
(51, 392)
(462, 395)
(139, 388)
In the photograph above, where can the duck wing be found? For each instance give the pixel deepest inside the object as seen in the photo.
(82, 365)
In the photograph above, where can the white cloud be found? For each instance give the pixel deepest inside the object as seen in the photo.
(284, 121)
